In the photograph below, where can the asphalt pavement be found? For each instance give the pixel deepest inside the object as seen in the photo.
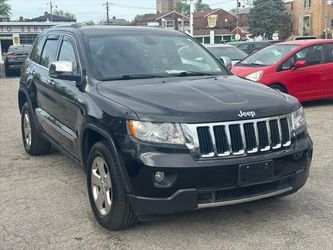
(44, 202)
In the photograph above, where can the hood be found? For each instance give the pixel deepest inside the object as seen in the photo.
(243, 71)
(196, 100)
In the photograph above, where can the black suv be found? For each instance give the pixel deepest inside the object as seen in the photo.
(157, 133)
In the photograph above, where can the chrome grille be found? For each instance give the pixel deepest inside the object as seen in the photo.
(238, 138)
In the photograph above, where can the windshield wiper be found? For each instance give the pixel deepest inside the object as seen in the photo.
(133, 76)
(253, 64)
(194, 73)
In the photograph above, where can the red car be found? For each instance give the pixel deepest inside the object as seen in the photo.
(301, 68)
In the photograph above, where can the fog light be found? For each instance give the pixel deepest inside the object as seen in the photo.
(159, 176)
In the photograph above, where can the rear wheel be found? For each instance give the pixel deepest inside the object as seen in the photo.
(279, 87)
(106, 189)
(33, 143)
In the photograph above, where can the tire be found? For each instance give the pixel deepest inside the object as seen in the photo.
(8, 72)
(114, 211)
(33, 143)
(279, 87)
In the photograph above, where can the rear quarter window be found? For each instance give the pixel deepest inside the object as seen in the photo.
(37, 49)
(49, 52)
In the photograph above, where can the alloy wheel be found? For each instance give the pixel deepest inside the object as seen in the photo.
(101, 186)
(27, 130)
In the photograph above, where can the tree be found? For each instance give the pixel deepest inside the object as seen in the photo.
(185, 8)
(267, 17)
(5, 8)
(199, 6)
(65, 14)
(89, 23)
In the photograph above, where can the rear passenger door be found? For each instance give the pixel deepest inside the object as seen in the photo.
(45, 101)
(328, 88)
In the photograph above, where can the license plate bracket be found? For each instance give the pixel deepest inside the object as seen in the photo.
(254, 173)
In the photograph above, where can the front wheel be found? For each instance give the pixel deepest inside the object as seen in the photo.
(279, 88)
(106, 189)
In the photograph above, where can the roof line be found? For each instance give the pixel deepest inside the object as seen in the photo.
(219, 10)
(170, 13)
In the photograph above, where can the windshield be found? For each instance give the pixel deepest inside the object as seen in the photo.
(232, 52)
(269, 56)
(144, 56)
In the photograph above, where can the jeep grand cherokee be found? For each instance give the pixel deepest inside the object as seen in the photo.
(156, 133)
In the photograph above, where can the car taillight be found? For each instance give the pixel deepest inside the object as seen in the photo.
(10, 56)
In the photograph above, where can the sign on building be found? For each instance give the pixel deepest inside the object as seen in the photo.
(212, 21)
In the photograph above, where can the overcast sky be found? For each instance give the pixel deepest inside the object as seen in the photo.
(86, 10)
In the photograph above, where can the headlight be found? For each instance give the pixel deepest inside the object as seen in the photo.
(256, 76)
(298, 119)
(157, 132)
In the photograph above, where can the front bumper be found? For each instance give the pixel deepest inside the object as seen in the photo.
(199, 184)
(191, 199)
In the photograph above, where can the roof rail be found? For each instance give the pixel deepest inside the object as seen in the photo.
(71, 25)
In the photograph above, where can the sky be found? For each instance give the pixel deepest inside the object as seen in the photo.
(86, 10)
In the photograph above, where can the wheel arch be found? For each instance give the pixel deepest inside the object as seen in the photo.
(279, 84)
(92, 134)
(22, 98)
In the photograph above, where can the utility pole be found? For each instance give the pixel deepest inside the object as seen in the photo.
(184, 2)
(302, 16)
(107, 7)
(237, 13)
(191, 16)
(328, 2)
(51, 10)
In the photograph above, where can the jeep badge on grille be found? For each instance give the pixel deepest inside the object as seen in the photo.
(246, 114)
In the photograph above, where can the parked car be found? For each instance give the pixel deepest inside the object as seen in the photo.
(15, 57)
(156, 135)
(225, 50)
(295, 38)
(301, 68)
(250, 47)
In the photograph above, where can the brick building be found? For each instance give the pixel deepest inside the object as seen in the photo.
(314, 16)
(225, 24)
(171, 20)
(164, 6)
(243, 16)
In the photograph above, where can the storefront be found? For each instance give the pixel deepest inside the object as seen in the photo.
(20, 33)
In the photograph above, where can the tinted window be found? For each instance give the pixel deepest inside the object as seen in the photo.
(167, 56)
(67, 53)
(247, 47)
(232, 53)
(269, 56)
(37, 49)
(313, 55)
(329, 52)
(49, 53)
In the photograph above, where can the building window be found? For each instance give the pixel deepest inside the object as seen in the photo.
(291, 6)
(170, 24)
(186, 23)
(307, 3)
(27, 38)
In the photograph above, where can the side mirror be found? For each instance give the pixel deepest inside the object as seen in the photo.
(63, 70)
(300, 64)
(226, 61)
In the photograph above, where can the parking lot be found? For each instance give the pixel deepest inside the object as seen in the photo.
(44, 202)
